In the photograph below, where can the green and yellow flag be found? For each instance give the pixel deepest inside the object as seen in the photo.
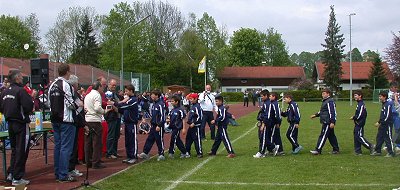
(202, 65)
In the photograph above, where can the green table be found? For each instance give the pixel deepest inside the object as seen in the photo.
(4, 136)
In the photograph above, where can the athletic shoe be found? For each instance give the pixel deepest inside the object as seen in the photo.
(161, 158)
(126, 160)
(358, 154)
(334, 152)
(259, 155)
(199, 156)
(275, 150)
(371, 148)
(67, 179)
(111, 157)
(212, 154)
(144, 156)
(131, 161)
(75, 173)
(9, 177)
(20, 182)
(376, 153)
(315, 152)
(281, 153)
(171, 156)
(297, 150)
(231, 155)
(390, 155)
(118, 156)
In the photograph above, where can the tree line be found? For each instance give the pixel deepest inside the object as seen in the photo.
(167, 45)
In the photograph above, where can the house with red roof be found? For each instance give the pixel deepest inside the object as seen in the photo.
(239, 79)
(361, 72)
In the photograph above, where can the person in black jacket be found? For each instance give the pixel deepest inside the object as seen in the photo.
(384, 127)
(327, 117)
(293, 117)
(359, 119)
(175, 122)
(16, 105)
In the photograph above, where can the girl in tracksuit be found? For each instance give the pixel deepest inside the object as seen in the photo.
(293, 117)
(359, 119)
(194, 122)
(175, 121)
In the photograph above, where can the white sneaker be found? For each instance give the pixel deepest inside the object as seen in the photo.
(144, 156)
(75, 173)
(275, 150)
(131, 161)
(160, 158)
(20, 182)
(258, 155)
(171, 156)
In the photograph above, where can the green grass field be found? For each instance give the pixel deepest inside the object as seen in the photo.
(303, 171)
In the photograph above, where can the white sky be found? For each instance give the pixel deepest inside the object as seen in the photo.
(302, 23)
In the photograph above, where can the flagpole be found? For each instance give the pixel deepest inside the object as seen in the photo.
(205, 74)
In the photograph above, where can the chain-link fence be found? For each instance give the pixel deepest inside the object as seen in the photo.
(375, 96)
(140, 81)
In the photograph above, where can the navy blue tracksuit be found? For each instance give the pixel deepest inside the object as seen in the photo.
(385, 128)
(157, 120)
(359, 118)
(293, 117)
(327, 115)
(193, 134)
(222, 121)
(275, 130)
(266, 118)
(176, 117)
(130, 112)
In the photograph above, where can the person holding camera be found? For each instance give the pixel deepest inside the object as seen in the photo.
(18, 122)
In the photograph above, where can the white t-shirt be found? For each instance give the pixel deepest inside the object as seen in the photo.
(207, 102)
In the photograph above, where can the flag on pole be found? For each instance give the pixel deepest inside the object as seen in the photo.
(202, 65)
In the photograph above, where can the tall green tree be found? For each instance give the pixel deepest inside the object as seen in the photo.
(355, 56)
(276, 52)
(369, 56)
(247, 47)
(307, 61)
(295, 58)
(14, 34)
(393, 54)
(87, 50)
(333, 53)
(377, 76)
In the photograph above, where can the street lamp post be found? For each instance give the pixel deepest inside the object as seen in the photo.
(351, 66)
(122, 50)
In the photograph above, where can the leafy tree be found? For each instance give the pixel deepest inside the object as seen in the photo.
(276, 53)
(333, 53)
(32, 22)
(307, 61)
(369, 56)
(302, 84)
(377, 75)
(355, 56)
(14, 33)
(294, 58)
(247, 47)
(87, 50)
(393, 55)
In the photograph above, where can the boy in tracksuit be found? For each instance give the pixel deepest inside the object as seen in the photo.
(359, 119)
(293, 117)
(222, 135)
(265, 118)
(277, 121)
(194, 121)
(129, 109)
(384, 127)
(175, 121)
(327, 117)
(157, 127)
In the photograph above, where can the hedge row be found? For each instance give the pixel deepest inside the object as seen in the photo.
(299, 95)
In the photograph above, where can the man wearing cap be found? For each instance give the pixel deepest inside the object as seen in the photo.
(207, 103)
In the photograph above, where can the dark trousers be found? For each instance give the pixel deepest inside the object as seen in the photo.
(359, 139)
(208, 116)
(113, 136)
(291, 135)
(384, 135)
(327, 132)
(254, 101)
(73, 161)
(93, 144)
(265, 141)
(19, 139)
(193, 136)
(131, 143)
(275, 135)
(246, 102)
(155, 136)
(222, 135)
(176, 140)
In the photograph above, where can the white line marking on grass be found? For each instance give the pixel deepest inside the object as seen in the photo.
(189, 173)
(286, 184)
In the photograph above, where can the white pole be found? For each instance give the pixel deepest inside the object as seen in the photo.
(351, 66)
(205, 74)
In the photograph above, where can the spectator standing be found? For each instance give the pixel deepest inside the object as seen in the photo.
(207, 103)
(246, 98)
(113, 119)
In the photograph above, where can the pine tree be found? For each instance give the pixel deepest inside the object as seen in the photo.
(333, 53)
(377, 75)
(87, 51)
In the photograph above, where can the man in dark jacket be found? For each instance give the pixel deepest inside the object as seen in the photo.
(16, 105)
(327, 117)
(113, 121)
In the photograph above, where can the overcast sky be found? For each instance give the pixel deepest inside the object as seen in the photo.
(302, 23)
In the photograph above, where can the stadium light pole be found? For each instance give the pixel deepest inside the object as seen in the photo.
(122, 50)
(351, 66)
